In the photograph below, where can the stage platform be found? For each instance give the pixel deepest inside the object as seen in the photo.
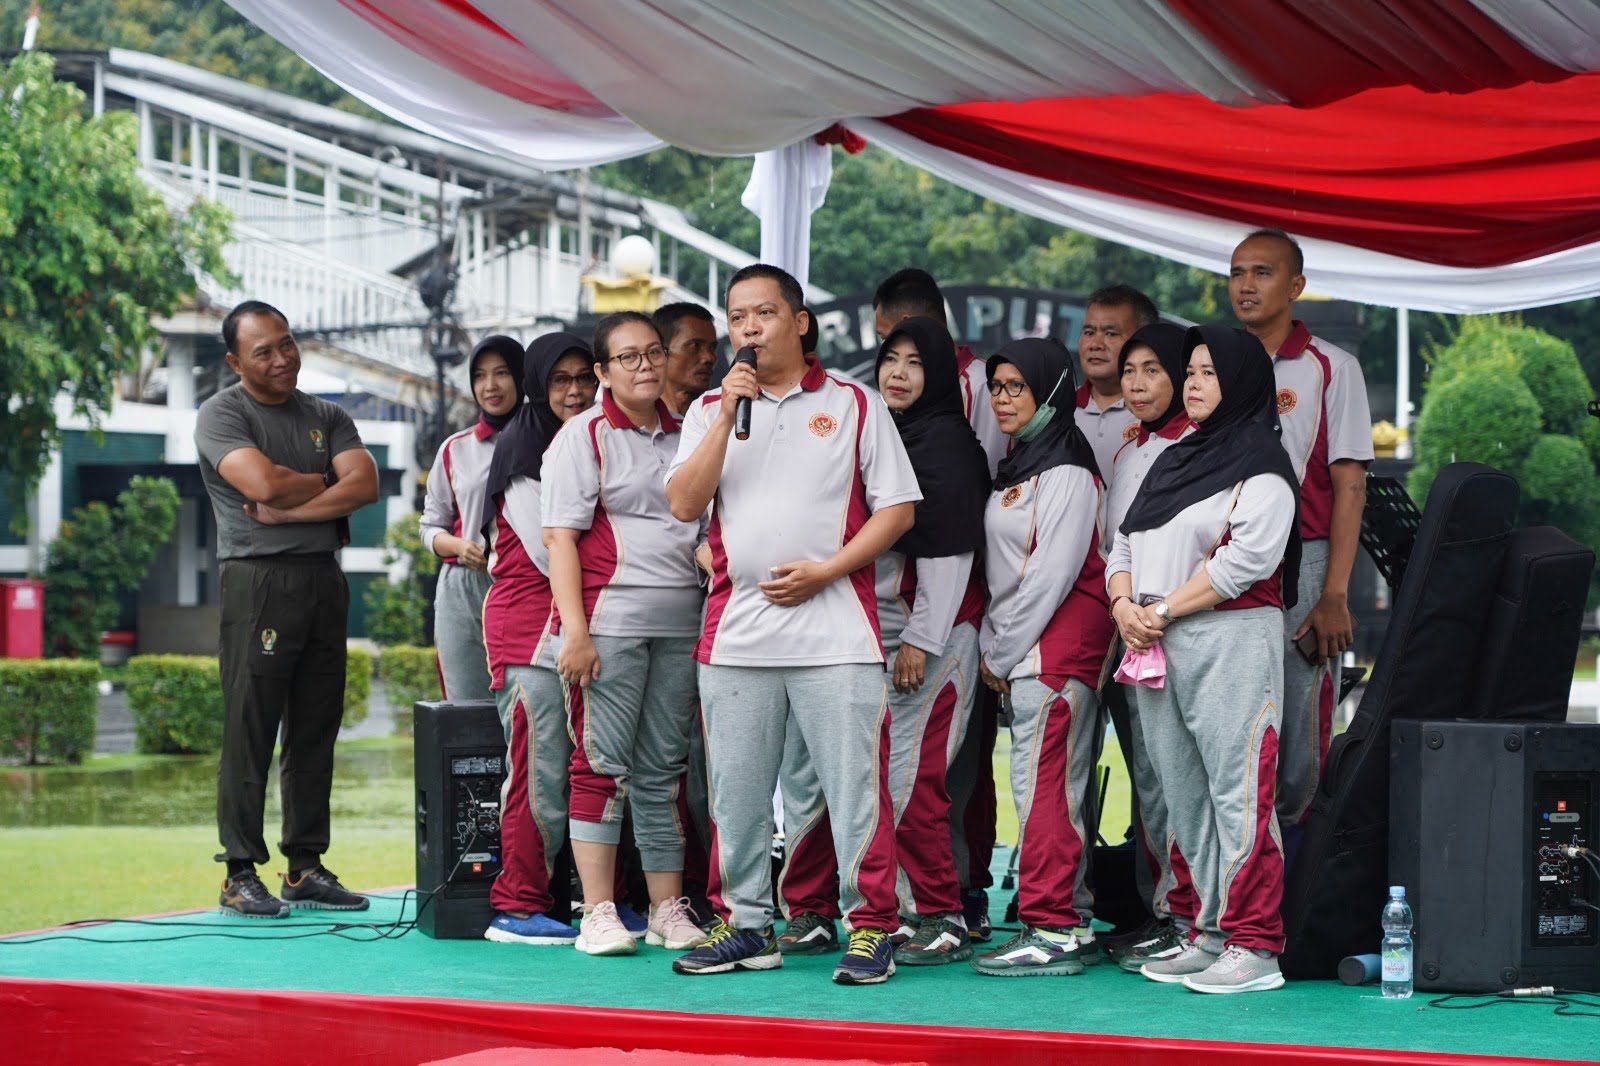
(171, 989)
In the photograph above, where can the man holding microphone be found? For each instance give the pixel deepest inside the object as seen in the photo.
(803, 508)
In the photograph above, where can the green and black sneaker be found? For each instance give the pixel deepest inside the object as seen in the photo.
(809, 934)
(1034, 952)
(1168, 942)
(940, 939)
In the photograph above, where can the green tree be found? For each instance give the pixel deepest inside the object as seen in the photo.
(396, 609)
(91, 253)
(1516, 398)
(99, 553)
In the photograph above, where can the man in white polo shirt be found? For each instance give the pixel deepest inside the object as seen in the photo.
(1327, 430)
(1114, 314)
(803, 508)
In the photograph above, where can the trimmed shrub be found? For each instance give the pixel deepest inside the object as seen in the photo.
(357, 685)
(176, 702)
(409, 674)
(396, 609)
(48, 709)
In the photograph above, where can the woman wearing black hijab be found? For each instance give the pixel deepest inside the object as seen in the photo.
(929, 607)
(559, 381)
(452, 518)
(1044, 640)
(1202, 567)
(1151, 365)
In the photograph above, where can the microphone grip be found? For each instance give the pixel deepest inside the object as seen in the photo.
(741, 410)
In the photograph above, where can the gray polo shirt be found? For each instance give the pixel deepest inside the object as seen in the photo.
(303, 433)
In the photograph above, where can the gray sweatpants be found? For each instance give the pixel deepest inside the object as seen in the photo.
(1052, 762)
(533, 802)
(926, 728)
(1212, 735)
(841, 714)
(458, 632)
(1308, 693)
(1168, 892)
(630, 736)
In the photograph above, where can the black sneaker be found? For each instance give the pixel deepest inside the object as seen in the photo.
(1167, 943)
(1116, 946)
(731, 949)
(975, 909)
(809, 934)
(319, 889)
(868, 961)
(244, 896)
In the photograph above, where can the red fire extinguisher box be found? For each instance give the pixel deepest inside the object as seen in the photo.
(21, 619)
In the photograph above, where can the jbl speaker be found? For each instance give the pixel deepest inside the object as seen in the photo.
(460, 768)
(1480, 814)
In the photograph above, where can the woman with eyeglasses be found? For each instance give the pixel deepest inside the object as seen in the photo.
(628, 593)
(1202, 567)
(559, 382)
(1044, 641)
(453, 518)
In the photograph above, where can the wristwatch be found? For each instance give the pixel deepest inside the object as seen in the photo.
(1163, 612)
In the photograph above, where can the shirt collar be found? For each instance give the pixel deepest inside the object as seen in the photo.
(1085, 399)
(814, 376)
(619, 418)
(1175, 427)
(483, 430)
(1294, 345)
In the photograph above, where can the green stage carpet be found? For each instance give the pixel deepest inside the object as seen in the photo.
(1103, 1000)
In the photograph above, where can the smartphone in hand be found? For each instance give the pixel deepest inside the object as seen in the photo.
(1307, 646)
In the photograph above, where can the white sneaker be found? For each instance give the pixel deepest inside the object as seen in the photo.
(672, 926)
(1238, 969)
(602, 933)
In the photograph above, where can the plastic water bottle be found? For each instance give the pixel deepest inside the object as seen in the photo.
(1397, 945)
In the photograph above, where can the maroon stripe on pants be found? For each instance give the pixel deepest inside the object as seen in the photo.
(524, 881)
(592, 791)
(921, 835)
(1182, 900)
(875, 878)
(1048, 868)
(809, 880)
(1251, 916)
(979, 822)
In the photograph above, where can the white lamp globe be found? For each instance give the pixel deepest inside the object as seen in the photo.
(634, 257)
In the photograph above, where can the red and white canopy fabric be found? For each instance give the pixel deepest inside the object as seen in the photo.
(1437, 154)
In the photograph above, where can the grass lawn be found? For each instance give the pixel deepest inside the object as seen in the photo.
(127, 835)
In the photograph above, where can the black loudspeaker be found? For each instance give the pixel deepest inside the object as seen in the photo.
(1479, 815)
(460, 768)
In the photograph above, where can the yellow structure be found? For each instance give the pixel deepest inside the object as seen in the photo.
(639, 293)
(1386, 437)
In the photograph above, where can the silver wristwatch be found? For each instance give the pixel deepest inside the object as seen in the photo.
(1163, 612)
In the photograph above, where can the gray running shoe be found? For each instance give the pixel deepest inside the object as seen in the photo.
(1167, 942)
(939, 940)
(1238, 969)
(808, 934)
(1191, 960)
(1031, 954)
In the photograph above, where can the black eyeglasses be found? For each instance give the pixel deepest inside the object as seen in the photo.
(1012, 388)
(630, 360)
(563, 382)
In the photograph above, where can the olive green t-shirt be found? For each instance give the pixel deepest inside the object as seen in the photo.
(303, 433)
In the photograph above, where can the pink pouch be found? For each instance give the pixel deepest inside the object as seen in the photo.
(1147, 668)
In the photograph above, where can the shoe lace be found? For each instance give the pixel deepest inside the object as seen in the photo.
(1233, 956)
(675, 910)
(864, 942)
(720, 931)
(931, 928)
(250, 888)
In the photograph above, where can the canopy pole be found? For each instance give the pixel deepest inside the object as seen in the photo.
(1402, 381)
(786, 186)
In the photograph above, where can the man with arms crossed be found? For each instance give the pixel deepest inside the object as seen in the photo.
(1327, 430)
(282, 469)
(804, 507)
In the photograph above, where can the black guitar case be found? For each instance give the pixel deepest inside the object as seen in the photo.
(1531, 639)
(1335, 886)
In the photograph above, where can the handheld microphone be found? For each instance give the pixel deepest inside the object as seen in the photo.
(741, 410)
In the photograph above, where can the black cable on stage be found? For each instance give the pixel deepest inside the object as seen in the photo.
(1566, 1000)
